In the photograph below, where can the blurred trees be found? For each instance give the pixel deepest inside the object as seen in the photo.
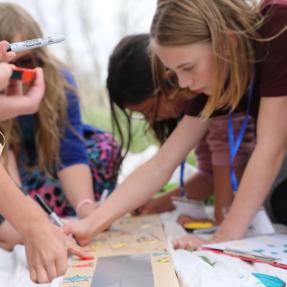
(92, 28)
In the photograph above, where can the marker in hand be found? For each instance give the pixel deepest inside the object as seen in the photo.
(104, 196)
(34, 43)
(56, 219)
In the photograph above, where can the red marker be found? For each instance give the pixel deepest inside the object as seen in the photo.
(23, 74)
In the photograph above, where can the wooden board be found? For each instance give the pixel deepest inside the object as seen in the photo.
(129, 235)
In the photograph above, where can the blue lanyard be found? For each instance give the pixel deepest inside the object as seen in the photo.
(234, 144)
(181, 179)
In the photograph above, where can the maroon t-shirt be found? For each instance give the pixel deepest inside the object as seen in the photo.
(271, 69)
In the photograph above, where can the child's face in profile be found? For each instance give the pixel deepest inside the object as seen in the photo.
(193, 64)
(159, 108)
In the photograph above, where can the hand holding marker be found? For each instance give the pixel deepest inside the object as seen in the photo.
(56, 219)
(34, 43)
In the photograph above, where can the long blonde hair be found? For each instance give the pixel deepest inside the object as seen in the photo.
(51, 116)
(214, 21)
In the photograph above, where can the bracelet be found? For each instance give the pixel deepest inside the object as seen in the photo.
(83, 202)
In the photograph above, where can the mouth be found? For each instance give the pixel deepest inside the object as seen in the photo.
(198, 91)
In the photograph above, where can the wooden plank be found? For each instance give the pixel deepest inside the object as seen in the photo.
(129, 235)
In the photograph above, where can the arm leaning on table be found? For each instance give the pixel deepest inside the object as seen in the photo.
(144, 181)
(46, 245)
(75, 174)
(258, 176)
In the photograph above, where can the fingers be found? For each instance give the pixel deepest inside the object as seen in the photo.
(39, 82)
(4, 55)
(182, 243)
(5, 74)
(15, 88)
(67, 228)
(189, 242)
(75, 249)
(80, 231)
(33, 274)
(42, 275)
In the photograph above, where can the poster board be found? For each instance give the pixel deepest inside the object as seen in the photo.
(129, 235)
(271, 249)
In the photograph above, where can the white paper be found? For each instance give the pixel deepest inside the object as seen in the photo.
(189, 207)
(273, 245)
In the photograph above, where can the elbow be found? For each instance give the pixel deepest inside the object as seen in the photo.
(272, 152)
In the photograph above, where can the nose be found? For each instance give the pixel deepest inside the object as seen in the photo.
(184, 81)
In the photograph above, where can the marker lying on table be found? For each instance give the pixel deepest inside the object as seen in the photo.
(34, 43)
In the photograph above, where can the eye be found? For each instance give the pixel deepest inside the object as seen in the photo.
(188, 69)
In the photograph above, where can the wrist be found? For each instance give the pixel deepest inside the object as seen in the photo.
(85, 207)
(27, 228)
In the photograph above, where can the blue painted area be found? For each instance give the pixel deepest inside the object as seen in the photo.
(159, 253)
(77, 278)
(259, 250)
(269, 281)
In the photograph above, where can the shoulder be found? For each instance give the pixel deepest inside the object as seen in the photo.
(68, 76)
(275, 17)
(272, 58)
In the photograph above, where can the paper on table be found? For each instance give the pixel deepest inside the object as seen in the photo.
(273, 246)
(190, 207)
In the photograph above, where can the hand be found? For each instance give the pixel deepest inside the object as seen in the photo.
(86, 209)
(83, 230)
(155, 205)
(35, 93)
(47, 249)
(30, 100)
(189, 242)
(5, 74)
(4, 55)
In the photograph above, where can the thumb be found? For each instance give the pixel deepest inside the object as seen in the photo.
(68, 227)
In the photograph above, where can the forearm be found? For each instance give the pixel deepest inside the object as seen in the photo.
(17, 208)
(13, 106)
(131, 194)
(77, 184)
(254, 187)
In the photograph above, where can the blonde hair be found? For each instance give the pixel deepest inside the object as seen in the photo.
(51, 116)
(216, 22)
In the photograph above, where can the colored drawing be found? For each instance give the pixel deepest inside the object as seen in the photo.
(77, 278)
(84, 265)
(128, 236)
(266, 248)
(163, 260)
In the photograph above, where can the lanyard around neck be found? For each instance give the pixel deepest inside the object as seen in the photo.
(234, 143)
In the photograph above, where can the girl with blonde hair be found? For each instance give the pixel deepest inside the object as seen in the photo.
(38, 234)
(131, 89)
(230, 56)
(52, 153)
